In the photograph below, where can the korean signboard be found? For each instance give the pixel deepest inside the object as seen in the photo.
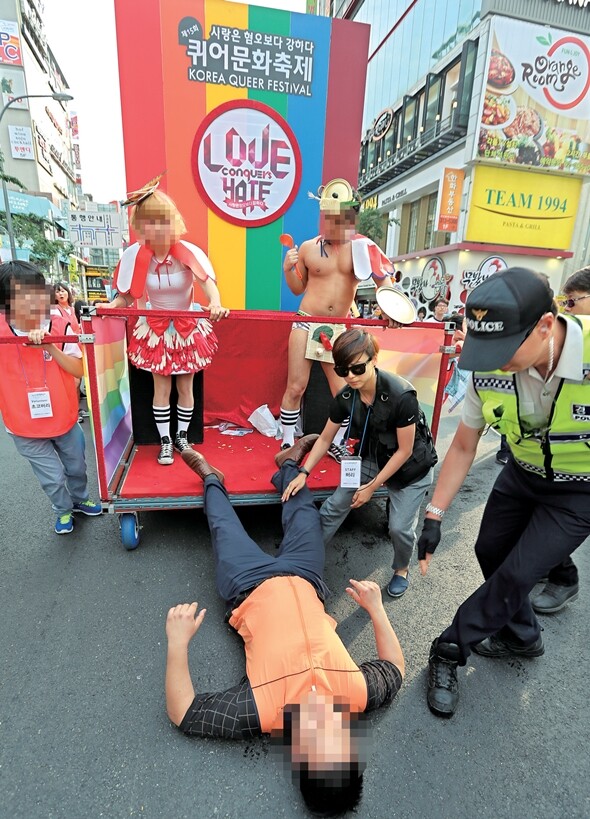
(536, 107)
(522, 208)
(21, 142)
(261, 107)
(451, 191)
(95, 228)
(10, 48)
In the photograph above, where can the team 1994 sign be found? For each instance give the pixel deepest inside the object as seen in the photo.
(246, 163)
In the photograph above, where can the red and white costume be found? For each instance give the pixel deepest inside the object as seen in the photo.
(161, 345)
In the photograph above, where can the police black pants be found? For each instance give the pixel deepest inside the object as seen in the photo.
(529, 526)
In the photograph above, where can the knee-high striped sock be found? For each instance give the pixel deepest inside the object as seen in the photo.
(184, 417)
(340, 436)
(288, 421)
(162, 417)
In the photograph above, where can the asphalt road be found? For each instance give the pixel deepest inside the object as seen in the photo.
(83, 726)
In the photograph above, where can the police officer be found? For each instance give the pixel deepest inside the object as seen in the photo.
(530, 382)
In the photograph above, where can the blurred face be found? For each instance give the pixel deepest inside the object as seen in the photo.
(61, 295)
(29, 306)
(338, 227)
(534, 349)
(440, 311)
(581, 306)
(321, 734)
(159, 231)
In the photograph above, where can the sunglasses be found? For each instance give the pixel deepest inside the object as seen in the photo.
(355, 369)
(572, 302)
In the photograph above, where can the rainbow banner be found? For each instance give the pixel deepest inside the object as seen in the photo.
(414, 354)
(248, 109)
(112, 381)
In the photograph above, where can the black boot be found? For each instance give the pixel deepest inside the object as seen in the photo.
(443, 687)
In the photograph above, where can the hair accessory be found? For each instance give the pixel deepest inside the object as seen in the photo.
(337, 196)
(135, 197)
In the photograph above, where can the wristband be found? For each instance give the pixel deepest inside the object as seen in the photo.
(304, 470)
(434, 510)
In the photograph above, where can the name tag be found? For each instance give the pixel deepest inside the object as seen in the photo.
(350, 472)
(40, 404)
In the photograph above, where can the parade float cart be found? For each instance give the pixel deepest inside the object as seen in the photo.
(248, 371)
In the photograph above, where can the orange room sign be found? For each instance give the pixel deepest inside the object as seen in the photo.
(450, 199)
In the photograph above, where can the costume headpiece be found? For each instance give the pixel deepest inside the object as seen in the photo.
(337, 196)
(135, 197)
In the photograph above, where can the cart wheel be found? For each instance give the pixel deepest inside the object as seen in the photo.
(129, 530)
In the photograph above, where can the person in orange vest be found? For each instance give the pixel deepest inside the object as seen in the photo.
(38, 394)
(302, 685)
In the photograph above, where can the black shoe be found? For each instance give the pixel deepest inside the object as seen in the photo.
(166, 456)
(181, 442)
(554, 598)
(495, 647)
(443, 686)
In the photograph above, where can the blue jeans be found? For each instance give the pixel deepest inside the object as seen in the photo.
(60, 466)
(240, 564)
(404, 508)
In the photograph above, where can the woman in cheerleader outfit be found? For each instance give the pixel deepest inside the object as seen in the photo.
(160, 270)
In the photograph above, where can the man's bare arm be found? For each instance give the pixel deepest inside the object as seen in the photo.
(181, 627)
(368, 595)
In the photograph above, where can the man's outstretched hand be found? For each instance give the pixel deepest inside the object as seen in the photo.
(366, 593)
(427, 543)
(183, 622)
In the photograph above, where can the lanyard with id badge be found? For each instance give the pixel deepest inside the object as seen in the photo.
(350, 465)
(39, 397)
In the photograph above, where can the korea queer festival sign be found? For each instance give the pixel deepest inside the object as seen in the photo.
(250, 110)
(536, 105)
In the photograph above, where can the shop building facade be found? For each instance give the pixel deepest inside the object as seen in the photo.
(476, 144)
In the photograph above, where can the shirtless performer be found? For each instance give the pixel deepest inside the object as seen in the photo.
(324, 271)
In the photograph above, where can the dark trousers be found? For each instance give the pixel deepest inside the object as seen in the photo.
(566, 572)
(529, 526)
(240, 564)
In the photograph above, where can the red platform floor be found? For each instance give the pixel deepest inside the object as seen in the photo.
(247, 463)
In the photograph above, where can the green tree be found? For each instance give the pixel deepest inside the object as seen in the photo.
(372, 224)
(29, 228)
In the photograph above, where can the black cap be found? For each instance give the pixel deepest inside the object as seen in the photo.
(500, 313)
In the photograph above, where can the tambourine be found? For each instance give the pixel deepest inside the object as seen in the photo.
(395, 304)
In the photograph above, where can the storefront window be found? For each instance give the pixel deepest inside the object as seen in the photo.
(409, 115)
(430, 216)
(432, 108)
(413, 228)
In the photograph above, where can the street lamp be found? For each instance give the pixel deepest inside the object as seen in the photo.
(56, 96)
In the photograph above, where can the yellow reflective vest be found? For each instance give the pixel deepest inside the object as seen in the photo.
(561, 450)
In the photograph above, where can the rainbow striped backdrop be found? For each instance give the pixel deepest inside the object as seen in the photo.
(162, 111)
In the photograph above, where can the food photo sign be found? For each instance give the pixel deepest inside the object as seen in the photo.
(535, 108)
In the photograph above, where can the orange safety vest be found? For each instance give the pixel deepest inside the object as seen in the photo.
(291, 645)
(22, 364)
